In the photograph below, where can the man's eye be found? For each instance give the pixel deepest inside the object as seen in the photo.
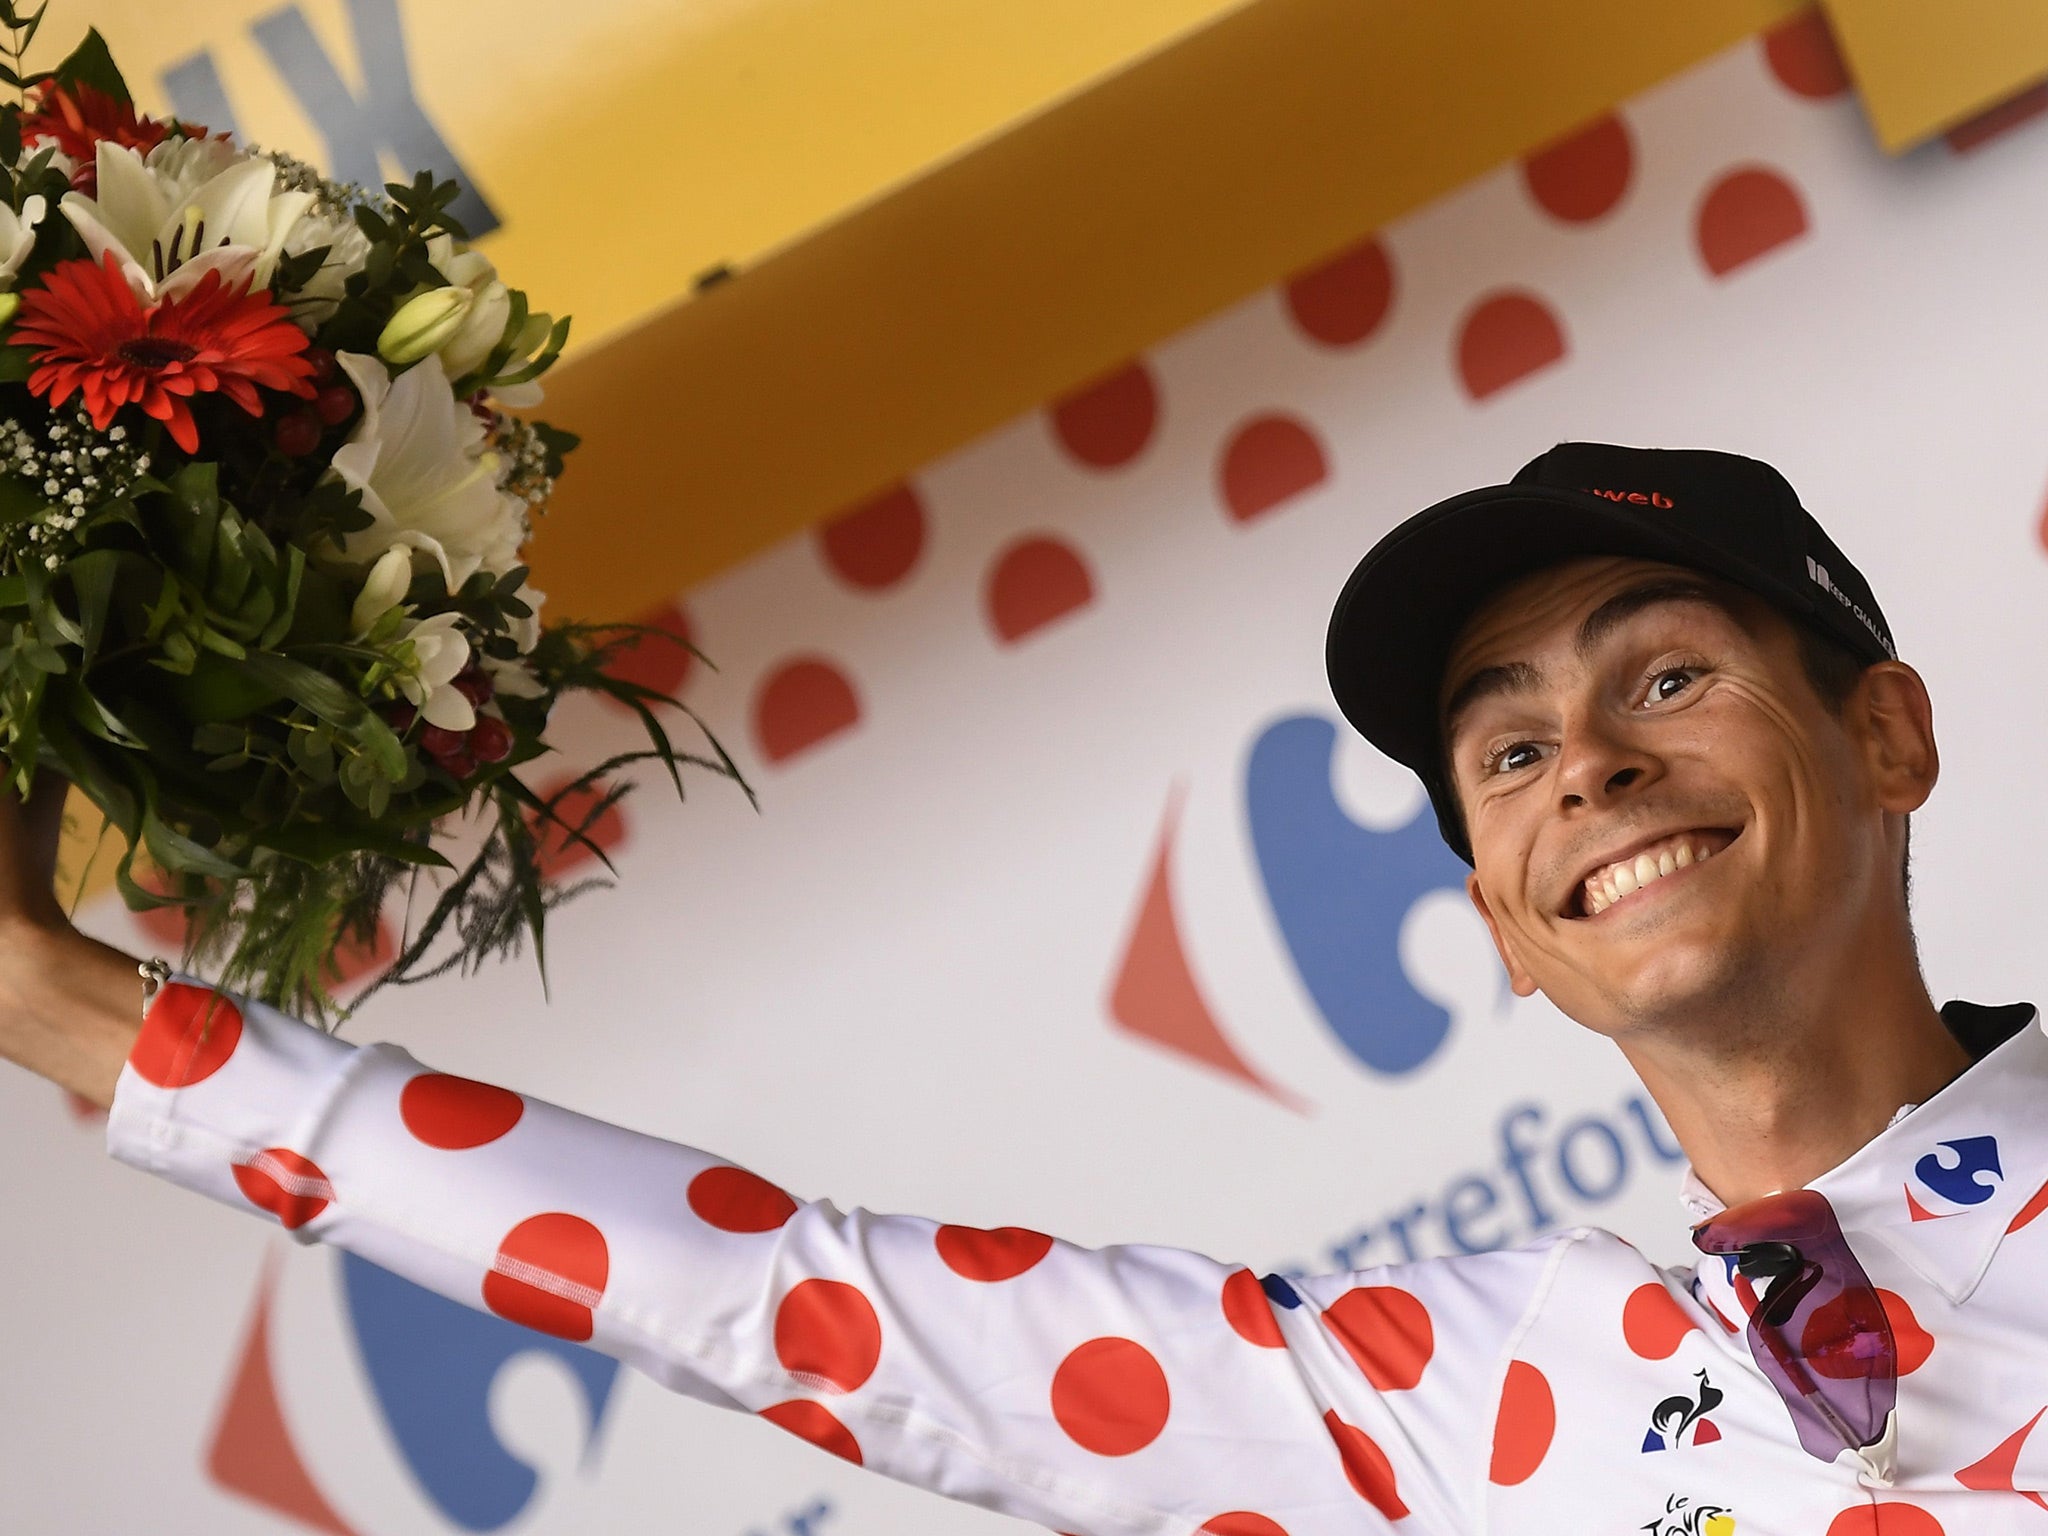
(1513, 757)
(1671, 682)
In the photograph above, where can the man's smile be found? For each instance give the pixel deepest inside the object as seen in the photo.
(1620, 875)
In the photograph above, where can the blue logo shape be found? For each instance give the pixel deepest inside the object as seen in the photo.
(1958, 1183)
(1340, 893)
(431, 1362)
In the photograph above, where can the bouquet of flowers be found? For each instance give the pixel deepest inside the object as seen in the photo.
(262, 504)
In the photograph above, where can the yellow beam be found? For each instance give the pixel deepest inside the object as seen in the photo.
(1922, 68)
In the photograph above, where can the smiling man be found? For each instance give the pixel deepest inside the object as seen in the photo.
(1660, 714)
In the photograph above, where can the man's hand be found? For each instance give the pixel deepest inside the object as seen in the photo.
(69, 1005)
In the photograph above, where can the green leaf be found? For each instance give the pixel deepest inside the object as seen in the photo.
(179, 854)
(331, 702)
(20, 501)
(219, 688)
(92, 581)
(91, 64)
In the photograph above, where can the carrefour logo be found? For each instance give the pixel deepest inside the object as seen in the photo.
(1339, 894)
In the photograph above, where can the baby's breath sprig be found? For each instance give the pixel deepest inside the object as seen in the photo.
(76, 467)
(526, 456)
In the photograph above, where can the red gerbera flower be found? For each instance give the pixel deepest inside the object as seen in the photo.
(93, 335)
(78, 117)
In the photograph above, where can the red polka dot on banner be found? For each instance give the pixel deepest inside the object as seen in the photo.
(652, 661)
(1032, 583)
(188, 1036)
(991, 1254)
(1344, 300)
(1270, 460)
(2039, 1203)
(549, 1274)
(165, 926)
(292, 1188)
(1387, 1331)
(827, 1334)
(1110, 1396)
(1108, 422)
(1828, 1330)
(1653, 1322)
(1583, 175)
(1803, 55)
(801, 704)
(1241, 1522)
(813, 1422)
(1505, 338)
(874, 545)
(1884, 1520)
(1366, 1465)
(1525, 1425)
(456, 1113)
(1247, 1310)
(556, 852)
(353, 960)
(1748, 213)
(1975, 132)
(734, 1200)
(83, 1110)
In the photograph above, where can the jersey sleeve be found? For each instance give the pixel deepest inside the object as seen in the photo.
(1104, 1392)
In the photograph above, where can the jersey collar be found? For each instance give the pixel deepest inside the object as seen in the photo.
(1944, 1182)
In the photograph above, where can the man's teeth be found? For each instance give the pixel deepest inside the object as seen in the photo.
(1604, 887)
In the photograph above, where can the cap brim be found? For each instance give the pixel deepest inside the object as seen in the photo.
(1403, 606)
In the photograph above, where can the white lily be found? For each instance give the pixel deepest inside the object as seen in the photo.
(427, 479)
(171, 220)
(511, 677)
(383, 590)
(436, 652)
(526, 632)
(490, 306)
(347, 249)
(18, 236)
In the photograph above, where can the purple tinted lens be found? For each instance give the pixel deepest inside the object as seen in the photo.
(1819, 1332)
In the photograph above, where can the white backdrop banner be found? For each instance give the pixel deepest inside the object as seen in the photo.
(1068, 904)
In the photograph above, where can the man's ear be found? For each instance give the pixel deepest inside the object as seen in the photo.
(1897, 720)
(1518, 977)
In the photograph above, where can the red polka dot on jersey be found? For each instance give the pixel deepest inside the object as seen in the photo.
(456, 1113)
(1033, 583)
(734, 1200)
(1241, 1522)
(1505, 338)
(1826, 1341)
(991, 1254)
(1270, 460)
(1525, 1425)
(1803, 55)
(1110, 1396)
(1249, 1312)
(1367, 1467)
(1108, 422)
(1887, 1519)
(1748, 213)
(292, 1188)
(801, 704)
(556, 851)
(188, 1036)
(1653, 1322)
(655, 661)
(1995, 1471)
(874, 545)
(1345, 300)
(1387, 1331)
(827, 1334)
(1583, 175)
(815, 1423)
(549, 1274)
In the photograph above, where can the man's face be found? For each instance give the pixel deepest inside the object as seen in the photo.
(1666, 821)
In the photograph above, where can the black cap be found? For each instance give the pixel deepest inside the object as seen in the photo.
(1720, 513)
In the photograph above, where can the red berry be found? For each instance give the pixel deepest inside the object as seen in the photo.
(458, 765)
(490, 739)
(323, 363)
(297, 433)
(400, 715)
(439, 741)
(335, 404)
(474, 685)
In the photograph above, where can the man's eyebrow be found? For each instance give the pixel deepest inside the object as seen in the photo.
(1522, 676)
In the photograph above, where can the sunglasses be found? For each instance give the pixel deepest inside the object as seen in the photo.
(1818, 1331)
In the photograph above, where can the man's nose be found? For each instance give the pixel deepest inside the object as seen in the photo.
(1598, 762)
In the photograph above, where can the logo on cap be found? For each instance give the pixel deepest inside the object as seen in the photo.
(1636, 498)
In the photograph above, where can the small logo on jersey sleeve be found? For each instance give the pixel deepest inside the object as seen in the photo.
(1682, 1419)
